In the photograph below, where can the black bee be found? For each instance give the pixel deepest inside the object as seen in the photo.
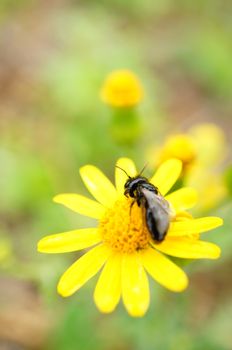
(156, 209)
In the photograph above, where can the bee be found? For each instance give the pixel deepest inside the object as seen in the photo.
(157, 211)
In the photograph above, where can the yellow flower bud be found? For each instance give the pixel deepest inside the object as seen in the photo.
(122, 88)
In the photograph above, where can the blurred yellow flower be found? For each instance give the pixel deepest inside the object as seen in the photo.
(210, 185)
(202, 149)
(122, 88)
(124, 248)
(6, 252)
(180, 146)
(203, 144)
(210, 143)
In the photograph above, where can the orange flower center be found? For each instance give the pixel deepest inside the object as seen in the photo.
(123, 228)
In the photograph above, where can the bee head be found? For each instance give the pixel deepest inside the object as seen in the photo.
(132, 184)
(127, 187)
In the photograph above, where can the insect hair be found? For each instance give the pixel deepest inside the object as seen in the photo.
(116, 166)
(143, 169)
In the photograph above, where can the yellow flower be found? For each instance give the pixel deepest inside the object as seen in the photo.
(202, 149)
(210, 143)
(122, 89)
(210, 184)
(204, 144)
(123, 247)
(180, 146)
(204, 175)
(6, 252)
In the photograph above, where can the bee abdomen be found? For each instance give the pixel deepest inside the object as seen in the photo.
(156, 229)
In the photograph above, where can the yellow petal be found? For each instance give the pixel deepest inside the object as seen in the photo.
(121, 177)
(164, 271)
(183, 216)
(69, 241)
(135, 286)
(80, 204)
(108, 289)
(82, 270)
(200, 225)
(183, 198)
(98, 185)
(166, 175)
(188, 248)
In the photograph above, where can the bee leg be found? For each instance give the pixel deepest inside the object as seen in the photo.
(132, 203)
(144, 219)
(139, 197)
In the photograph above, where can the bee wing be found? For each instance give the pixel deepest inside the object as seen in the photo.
(158, 214)
(157, 201)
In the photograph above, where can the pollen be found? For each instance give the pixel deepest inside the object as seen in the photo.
(123, 228)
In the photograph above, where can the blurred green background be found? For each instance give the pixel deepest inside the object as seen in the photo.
(54, 57)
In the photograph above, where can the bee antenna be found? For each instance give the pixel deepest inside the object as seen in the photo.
(116, 166)
(143, 169)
